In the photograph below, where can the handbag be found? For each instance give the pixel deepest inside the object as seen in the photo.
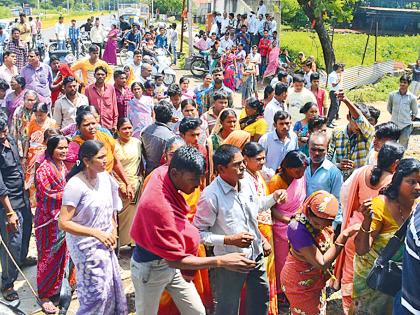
(386, 275)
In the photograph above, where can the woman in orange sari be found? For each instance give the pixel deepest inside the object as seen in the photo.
(363, 184)
(312, 252)
(37, 125)
(289, 177)
(201, 278)
(87, 126)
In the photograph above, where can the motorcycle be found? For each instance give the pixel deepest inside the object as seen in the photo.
(199, 65)
(161, 62)
(40, 46)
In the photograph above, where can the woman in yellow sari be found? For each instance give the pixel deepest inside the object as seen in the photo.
(201, 278)
(382, 217)
(254, 156)
(363, 184)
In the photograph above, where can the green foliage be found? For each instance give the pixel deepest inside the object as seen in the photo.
(374, 92)
(168, 6)
(292, 14)
(349, 47)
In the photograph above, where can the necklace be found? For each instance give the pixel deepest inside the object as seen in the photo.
(89, 182)
(401, 214)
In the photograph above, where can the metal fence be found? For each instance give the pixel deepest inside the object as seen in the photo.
(361, 75)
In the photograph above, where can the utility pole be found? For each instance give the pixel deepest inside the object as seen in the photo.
(68, 6)
(182, 25)
(190, 24)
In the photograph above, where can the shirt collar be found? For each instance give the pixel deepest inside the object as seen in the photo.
(224, 185)
(276, 137)
(326, 164)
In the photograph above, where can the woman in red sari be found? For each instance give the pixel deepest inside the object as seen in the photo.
(60, 71)
(50, 240)
(312, 253)
(110, 52)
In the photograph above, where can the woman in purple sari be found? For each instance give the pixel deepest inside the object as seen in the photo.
(90, 203)
(15, 98)
(110, 52)
(289, 177)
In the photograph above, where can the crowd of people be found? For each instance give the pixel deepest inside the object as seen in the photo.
(227, 206)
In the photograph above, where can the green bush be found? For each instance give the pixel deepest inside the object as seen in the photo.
(378, 91)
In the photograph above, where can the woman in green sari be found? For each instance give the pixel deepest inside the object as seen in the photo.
(383, 216)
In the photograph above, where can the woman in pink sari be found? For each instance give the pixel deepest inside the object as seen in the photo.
(289, 177)
(110, 52)
(229, 65)
(364, 183)
(273, 60)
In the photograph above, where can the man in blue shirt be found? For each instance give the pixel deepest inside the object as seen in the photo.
(322, 174)
(244, 38)
(74, 36)
(133, 38)
(161, 40)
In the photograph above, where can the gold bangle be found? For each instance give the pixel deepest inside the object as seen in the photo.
(218, 263)
(365, 231)
(339, 244)
(10, 213)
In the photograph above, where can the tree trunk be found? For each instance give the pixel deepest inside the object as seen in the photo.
(324, 38)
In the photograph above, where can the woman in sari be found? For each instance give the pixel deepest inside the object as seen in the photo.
(37, 125)
(87, 127)
(189, 108)
(310, 110)
(90, 203)
(140, 109)
(272, 60)
(226, 123)
(312, 253)
(290, 176)
(252, 119)
(240, 59)
(248, 70)
(382, 217)
(110, 52)
(59, 71)
(363, 184)
(15, 98)
(50, 241)
(128, 152)
(254, 156)
(229, 65)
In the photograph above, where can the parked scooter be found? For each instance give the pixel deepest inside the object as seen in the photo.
(161, 62)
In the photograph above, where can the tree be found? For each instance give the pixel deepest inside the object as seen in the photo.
(321, 11)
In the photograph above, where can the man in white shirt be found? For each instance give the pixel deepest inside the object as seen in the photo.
(173, 41)
(262, 9)
(8, 69)
(65, 107)
(277, 143)
(224, 23)
(97, 35)
(273, 27)
(307, 69)
(227, 219)
(34, 31)
(298, 96)
(276, 104)
(136, 63)
(253, 28)
(334, 84)
(226, 42)
(60, 34)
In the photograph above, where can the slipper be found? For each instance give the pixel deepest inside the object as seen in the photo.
(10, 295)
(29, 261)
(48, 307)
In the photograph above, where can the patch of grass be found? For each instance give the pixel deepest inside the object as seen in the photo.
(378, 91)
(349, 47)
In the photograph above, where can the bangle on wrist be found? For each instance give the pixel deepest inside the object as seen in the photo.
(8, 214)
(218, 263)
(365, 231)
(339, 244)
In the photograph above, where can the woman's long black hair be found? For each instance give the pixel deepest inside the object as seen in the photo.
(388, 155)
(87, 151)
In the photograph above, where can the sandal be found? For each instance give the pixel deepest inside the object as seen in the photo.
(10, 295)
(29, 262)
(48, 307)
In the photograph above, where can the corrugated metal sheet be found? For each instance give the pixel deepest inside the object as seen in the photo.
(361, 75)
